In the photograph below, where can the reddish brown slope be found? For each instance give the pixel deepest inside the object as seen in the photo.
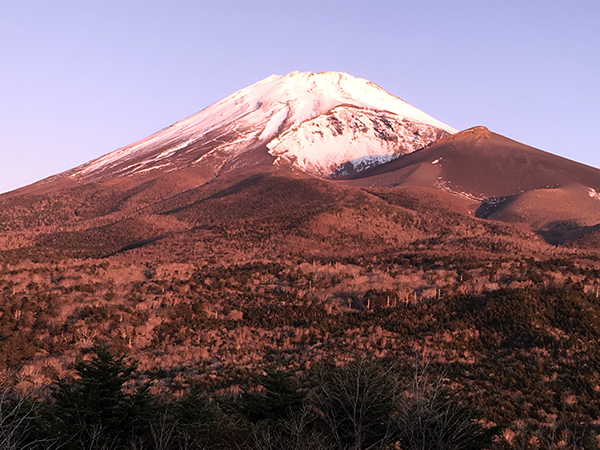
(483, 164)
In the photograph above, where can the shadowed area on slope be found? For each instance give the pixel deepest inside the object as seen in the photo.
(259, 195)
(272, 213)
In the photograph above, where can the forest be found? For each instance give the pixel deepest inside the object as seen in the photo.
(231, 359)
(365, 404)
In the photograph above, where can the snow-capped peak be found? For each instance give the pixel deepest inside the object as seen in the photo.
(313, 121)
(309, 94)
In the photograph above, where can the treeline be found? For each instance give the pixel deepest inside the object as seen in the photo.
(364, 404)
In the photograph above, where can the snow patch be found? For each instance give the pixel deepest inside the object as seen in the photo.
(175, 149)
(593, 193)
(152, 168)
(362, 163)
(274, 123)
(445, 186)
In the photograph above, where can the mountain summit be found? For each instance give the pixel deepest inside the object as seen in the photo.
(313, 122)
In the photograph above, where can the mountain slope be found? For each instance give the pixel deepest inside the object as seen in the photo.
(482, 164)
(231, 241)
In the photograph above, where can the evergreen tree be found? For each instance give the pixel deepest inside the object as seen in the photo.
(94, 410)
(281, 397)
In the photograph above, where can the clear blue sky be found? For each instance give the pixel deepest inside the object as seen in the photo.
(79, 79)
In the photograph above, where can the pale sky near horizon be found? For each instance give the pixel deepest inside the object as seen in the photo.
(80, 79)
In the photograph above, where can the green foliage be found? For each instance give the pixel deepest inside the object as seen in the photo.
(280, 399)
(95, 409)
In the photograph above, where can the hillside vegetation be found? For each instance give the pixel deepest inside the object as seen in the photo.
(203, 294)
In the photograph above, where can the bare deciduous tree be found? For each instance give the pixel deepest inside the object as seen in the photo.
(430, 417)
(295, 433)
(17, 419)
(357, 401)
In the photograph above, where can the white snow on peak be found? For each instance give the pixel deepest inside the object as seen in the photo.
(262, 114)
(320, 145)
(309, 95)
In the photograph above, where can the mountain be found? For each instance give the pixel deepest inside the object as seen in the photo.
(328, 136)
(310, 218)
(502, 180)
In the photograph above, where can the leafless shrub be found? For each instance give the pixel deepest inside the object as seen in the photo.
(431, 417)
(163, 432)
(296, 433)
(367, 405)
(17, 419)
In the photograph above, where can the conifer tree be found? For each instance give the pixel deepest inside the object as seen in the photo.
(94, 410)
